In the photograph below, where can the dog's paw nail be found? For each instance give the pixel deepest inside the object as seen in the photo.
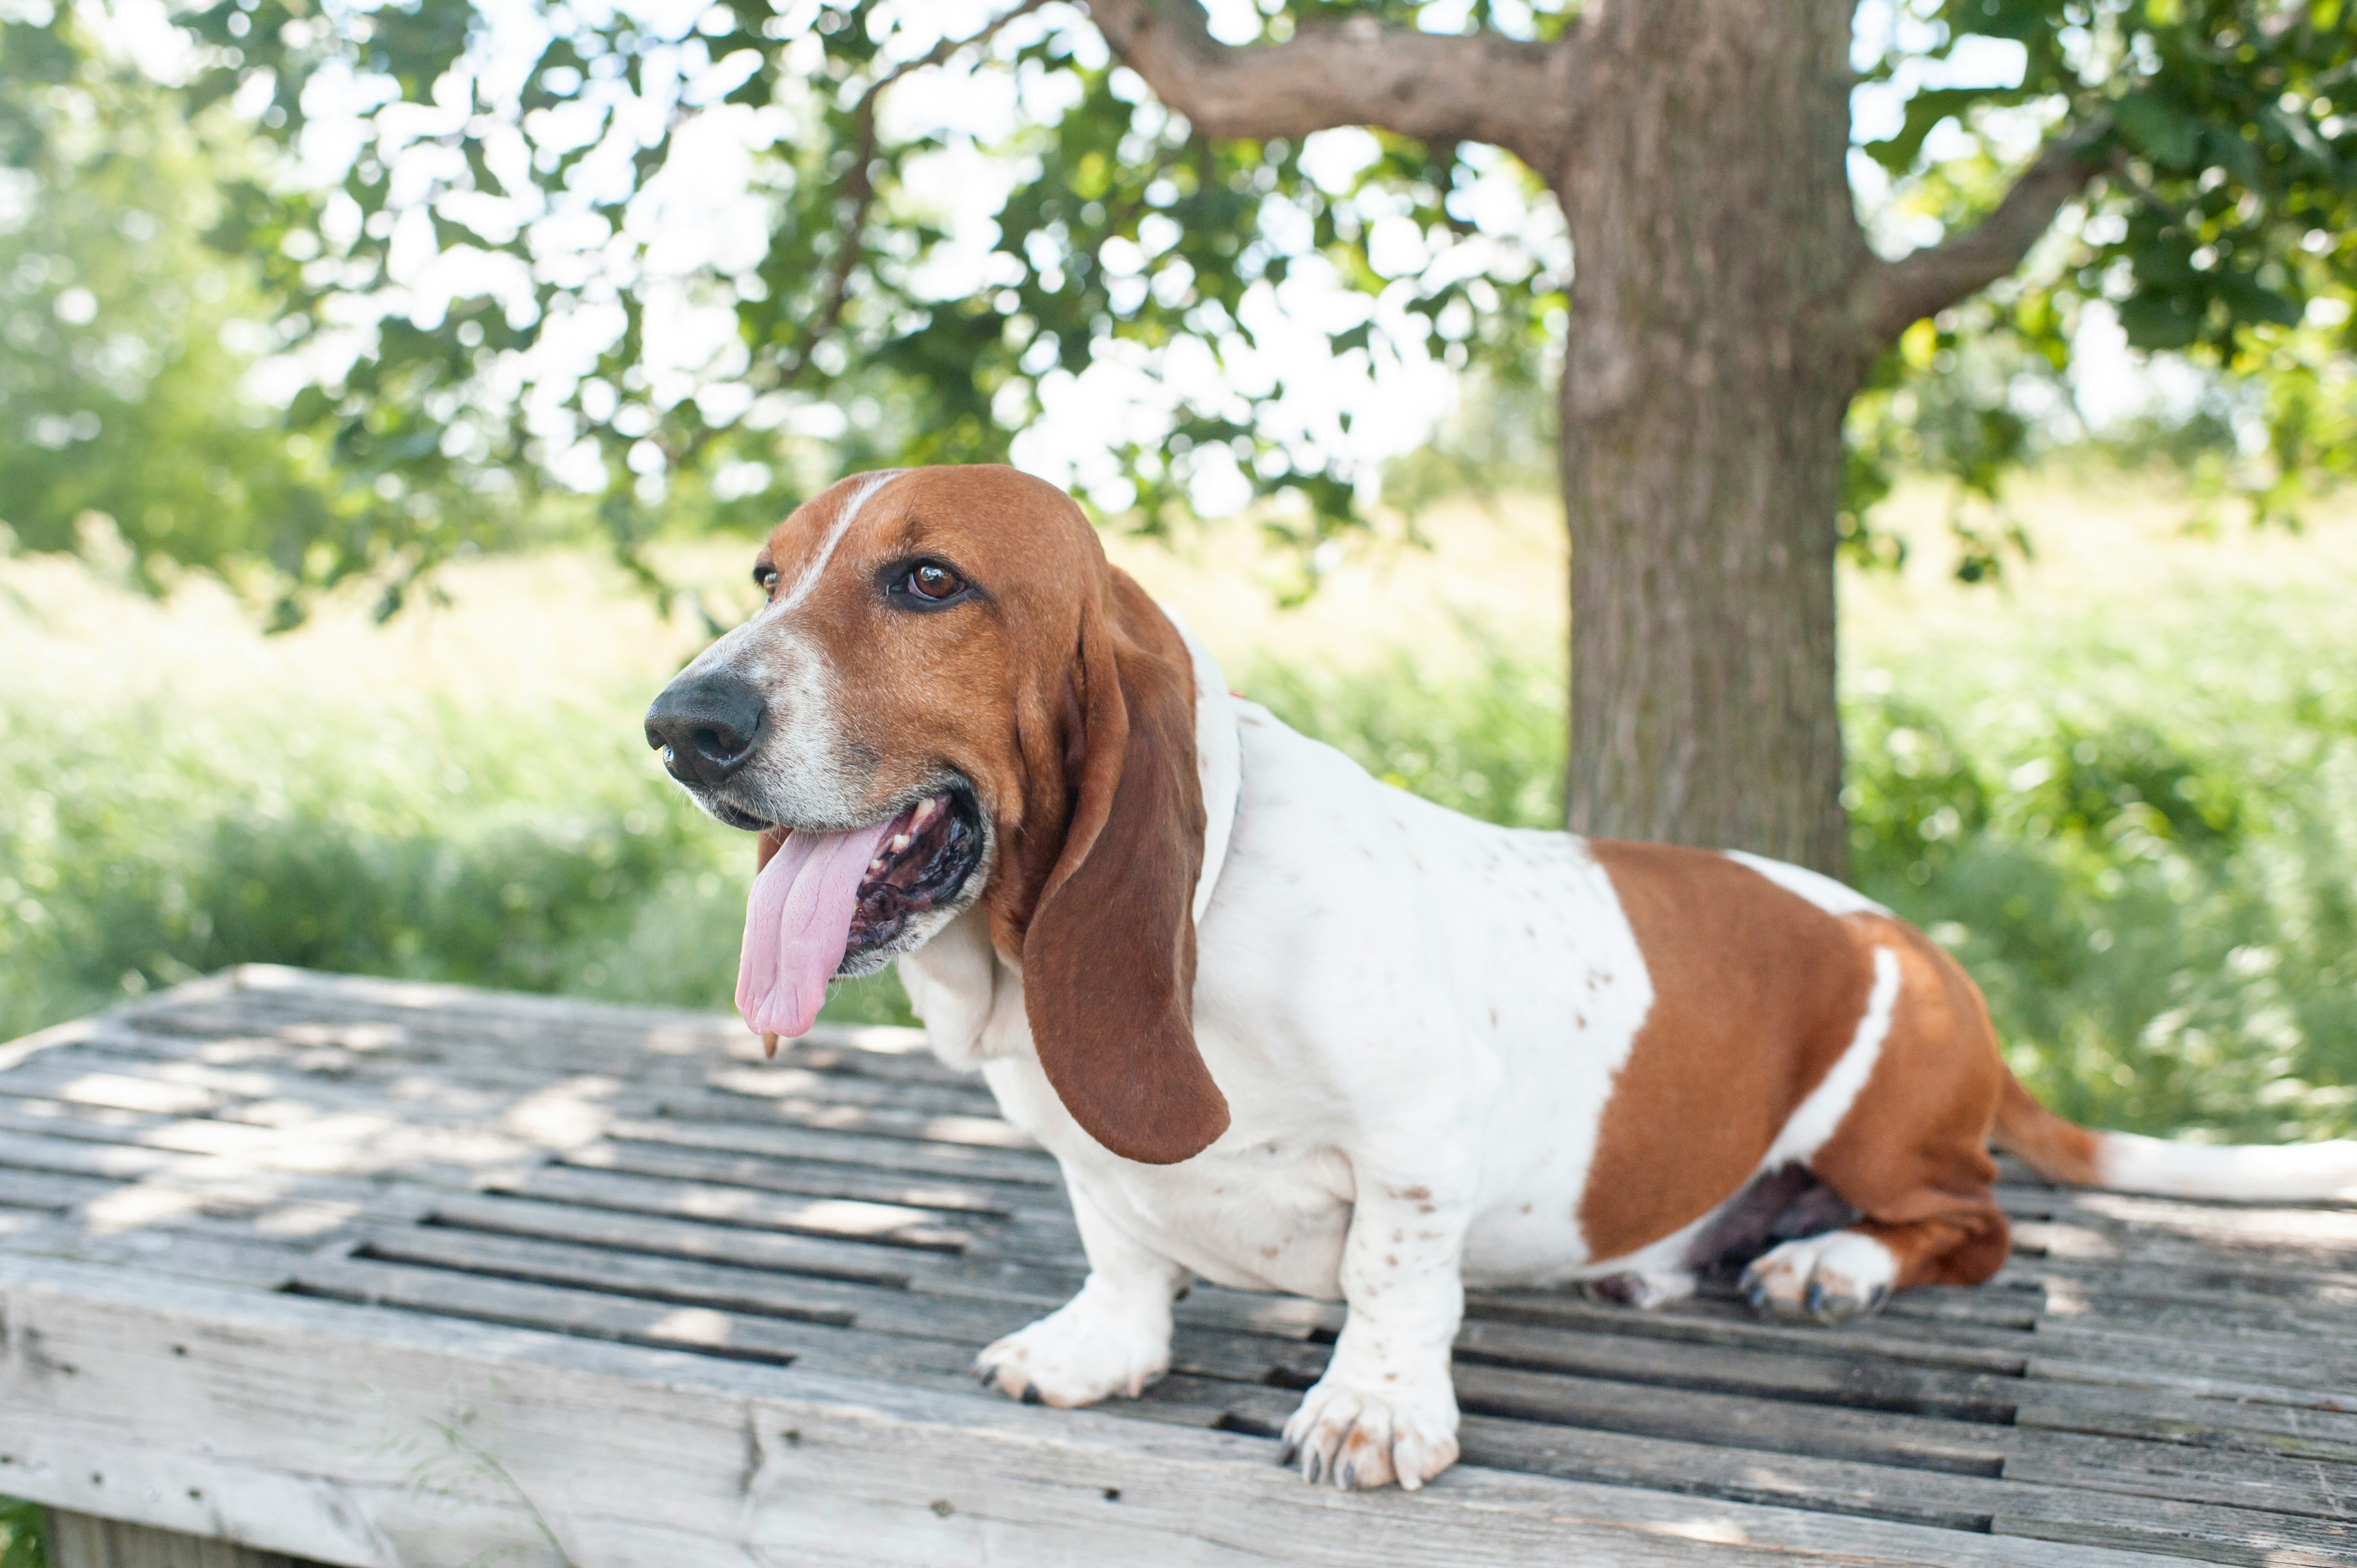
(1031, 1394)
(1286, 1452)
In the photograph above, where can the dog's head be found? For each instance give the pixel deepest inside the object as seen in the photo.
(950, 699)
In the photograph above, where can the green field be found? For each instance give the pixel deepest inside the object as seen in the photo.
(2122, 785)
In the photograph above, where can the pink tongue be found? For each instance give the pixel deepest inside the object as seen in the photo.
(797, 924)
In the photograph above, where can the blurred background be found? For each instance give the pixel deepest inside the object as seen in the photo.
(391, 399)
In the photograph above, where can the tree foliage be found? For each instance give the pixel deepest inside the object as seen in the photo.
(2223, 227)
(1121, 235)
(129, 338)
(474, 232)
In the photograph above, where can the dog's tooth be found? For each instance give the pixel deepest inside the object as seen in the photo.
(876, 864)
(899, 841)
(924, 809)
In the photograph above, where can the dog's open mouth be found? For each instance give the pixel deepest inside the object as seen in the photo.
(835, 904)
(922, 863)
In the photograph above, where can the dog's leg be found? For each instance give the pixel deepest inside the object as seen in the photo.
(1111, 1338)
(1386, 1411)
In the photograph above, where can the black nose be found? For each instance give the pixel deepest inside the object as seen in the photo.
(707, 728)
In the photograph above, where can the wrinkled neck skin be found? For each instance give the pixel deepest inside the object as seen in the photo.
(969, 996)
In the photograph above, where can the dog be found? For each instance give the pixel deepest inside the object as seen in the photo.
(1288, 1028)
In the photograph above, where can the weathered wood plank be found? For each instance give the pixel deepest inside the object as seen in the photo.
(2317, 1317)
(360, 1047)
(845, 1147)
(923, 1363)
(778, 1082)
(1732, 1421)
(85, 1124)
(198, 1250)
(72, 1156)
(2227, 1479)
(2154, 1355)
(984, 1131)
(1962, 1347)
(840, 1219)
(1960, 1503)
(1827, 1380)
(1770, 1425)
(2272, 1243)
(2153, 1470)
(304, 1427)
(2165, 1416)
(48, 1190)
(813, 1178)
(54, 1075)
(2061, 1370)
(665, 1236)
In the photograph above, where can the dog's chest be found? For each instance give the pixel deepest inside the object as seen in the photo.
(1256, 1213)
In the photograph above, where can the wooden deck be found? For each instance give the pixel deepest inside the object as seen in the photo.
(372, 1274)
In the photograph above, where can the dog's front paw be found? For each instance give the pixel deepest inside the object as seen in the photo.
(1364, 1437)
(1822, 1279)
(1078, 1354)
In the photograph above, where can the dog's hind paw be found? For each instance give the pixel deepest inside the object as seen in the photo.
(1822, 1279)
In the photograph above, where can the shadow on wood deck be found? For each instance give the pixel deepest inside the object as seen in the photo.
(371, 1272)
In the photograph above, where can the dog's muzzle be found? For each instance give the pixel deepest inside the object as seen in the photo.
(708, 727)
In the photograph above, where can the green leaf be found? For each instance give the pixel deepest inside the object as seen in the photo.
(2160, 130)
(2157, 321)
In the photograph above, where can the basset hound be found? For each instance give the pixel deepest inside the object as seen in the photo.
(1288, 1028)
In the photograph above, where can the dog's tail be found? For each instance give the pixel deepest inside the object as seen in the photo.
(2064, 1152)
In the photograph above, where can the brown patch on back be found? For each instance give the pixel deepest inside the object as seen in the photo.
(1756, 993)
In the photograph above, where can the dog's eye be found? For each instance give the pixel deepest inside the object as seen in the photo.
(934, 582)
(765, 577)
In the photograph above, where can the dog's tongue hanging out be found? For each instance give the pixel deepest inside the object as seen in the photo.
(797, 924)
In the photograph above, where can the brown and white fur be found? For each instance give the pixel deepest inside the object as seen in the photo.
(1285, 1027)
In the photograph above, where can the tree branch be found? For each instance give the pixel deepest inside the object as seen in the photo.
(1433, 87)
(1896, 294)
(859, 185)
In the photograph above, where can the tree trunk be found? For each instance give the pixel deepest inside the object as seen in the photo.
(1712, 351)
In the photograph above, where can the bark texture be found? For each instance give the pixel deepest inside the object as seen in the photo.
(1710, 358)
(1724, 308)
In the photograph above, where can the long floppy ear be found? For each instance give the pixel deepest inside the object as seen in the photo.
(1109, 956)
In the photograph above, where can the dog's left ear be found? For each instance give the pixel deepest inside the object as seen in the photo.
(1109, 956)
